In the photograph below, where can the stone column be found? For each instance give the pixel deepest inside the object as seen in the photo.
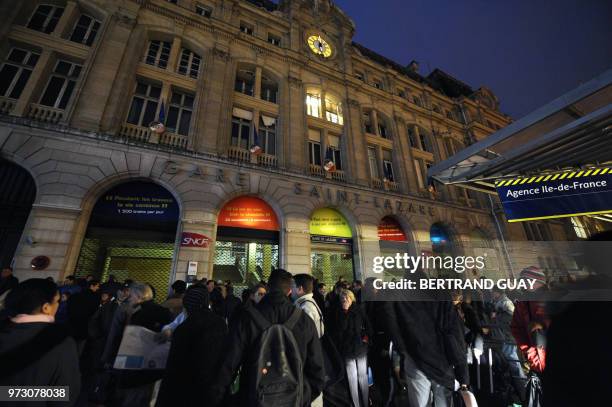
(66, 21)
(175, 51)
(356, 144)
(374, 117)
(400, 151)
(296, 157)
(257, 84)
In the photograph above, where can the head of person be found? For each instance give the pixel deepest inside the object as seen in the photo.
(89, 277)
(140, 292)
(246, 295)
(65, 296)
(340, 285)
(258, 293)
(230, 288)
(179, 287)
(304, 284)
(69, 280)
(81, 282)
(152, 290)
(280, 281)
(347, 298)
(196, 299)
(33, 297)
(123, 294)
(322, 289)
(6, 272)
(93, 285)
(357, 285)
(210, 285)
(497, 293)
(534, 274)
(105, 297)
(111, 278)
(457, 297)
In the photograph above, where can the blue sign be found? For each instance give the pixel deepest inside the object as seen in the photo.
(581, 192)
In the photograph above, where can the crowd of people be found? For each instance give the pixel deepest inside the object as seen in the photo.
(292, 341)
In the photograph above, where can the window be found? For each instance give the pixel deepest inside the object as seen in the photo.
(244, 82)
(579, 228)
(189, 63)
(419, 173)
(437, 109)
(85, 30)
(377, 84)
(45, 18)
(417, 101)
(401, 93)
(204, 11)
(536, 231)
(246, 28)
(241, 130)
(158, 53)
(360, 76)
(314, 147)
(333, 111)
(269, 89)
(16, 71)
(382, 130)
(313, 105)
(267, 134)
(450, 146)
(334, 145)
(449, 115)
(412, 138)
(388, 166)
(367, 122)
(61, 84)
(373, 161)
(274, 40)
(425, 144)
(179, 113)
(144, 104)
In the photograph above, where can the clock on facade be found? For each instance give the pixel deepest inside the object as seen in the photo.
(319, 46)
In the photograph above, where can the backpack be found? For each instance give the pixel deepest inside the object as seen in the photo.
(277, 368)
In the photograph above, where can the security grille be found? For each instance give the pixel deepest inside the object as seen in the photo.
(149, 262)
(329, 263)
(244, 264)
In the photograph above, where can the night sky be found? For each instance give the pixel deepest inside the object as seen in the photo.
(527, 51)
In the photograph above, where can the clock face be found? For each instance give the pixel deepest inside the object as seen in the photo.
(319, 46)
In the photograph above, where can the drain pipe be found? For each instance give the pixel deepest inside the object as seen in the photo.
(501, 235)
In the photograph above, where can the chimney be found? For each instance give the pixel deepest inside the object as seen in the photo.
(414, 66)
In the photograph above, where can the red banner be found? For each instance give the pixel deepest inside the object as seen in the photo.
(390, 229)
(249, 213)
(190, 239)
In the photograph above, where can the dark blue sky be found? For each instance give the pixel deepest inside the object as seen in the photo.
(527, 51)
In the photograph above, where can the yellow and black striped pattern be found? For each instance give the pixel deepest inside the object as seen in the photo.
(553, 177)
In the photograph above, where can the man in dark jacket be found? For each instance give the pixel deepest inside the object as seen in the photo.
(81, 307)
(7, 280)
(429, 336)
(34, 351)
(196, 353)
(276, 308)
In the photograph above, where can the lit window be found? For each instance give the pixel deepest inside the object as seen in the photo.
(579, 228)
(313, 105)
(16, 71)
(189, 63)
(61, 84)
(333, 111)
(158, 54)
(246, 28)
(204, 11)
(274, 40)
(245, 81)
(179, 113)
(143, 109)
(85, 30)
(373, 161)
(45, 18)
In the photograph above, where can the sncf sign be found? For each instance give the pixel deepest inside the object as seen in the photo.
(190, 239)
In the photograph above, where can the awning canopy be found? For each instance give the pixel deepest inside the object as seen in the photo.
(572, 131)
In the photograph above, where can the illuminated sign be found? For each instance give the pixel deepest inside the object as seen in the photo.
(572, 193)
(390, 229)
(190, 239)
(249, 213)
(329, 222)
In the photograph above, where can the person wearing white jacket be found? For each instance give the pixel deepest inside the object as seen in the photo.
(302, 292)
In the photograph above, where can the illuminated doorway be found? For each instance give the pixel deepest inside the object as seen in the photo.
(331, 256)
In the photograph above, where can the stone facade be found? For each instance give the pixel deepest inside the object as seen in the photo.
(78, 146)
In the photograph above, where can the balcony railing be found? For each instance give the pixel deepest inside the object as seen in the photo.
(6, 105)
(338, 175)
(45, 113)
(238, 154)
(392, 186)
(267, 160)
(143, 134)
(378, 184)
(316, 170)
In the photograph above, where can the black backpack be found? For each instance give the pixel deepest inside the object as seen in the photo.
(278, 368)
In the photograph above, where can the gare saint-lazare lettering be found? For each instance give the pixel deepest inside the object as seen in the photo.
(329, 194)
